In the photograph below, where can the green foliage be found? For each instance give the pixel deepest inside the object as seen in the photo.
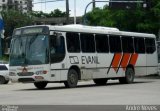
(55, 13)
(139, 20)
(14, 19)
(4, 58)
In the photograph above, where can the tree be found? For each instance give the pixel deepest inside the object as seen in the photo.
(55, 13)
(14, 19)
(139, 20)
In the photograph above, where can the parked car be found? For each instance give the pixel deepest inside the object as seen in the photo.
(4, 73)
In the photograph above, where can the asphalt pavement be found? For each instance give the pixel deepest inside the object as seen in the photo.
(144, 91)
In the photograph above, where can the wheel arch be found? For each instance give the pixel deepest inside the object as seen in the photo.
(77, 69)
(131, 66)
(2, 76)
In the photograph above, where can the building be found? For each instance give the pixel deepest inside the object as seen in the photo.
(21, 5)
(3, 4)
(115, 4)
(57, 21)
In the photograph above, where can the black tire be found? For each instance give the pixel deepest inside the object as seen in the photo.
(6, 82)
(102, 81)
(40, 85)
(2, 80)
(129, 77)
(72, 79)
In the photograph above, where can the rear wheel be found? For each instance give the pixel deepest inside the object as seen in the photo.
(40, 85)
(102, 81)
(72, 79)
(2, 80)
(129, 76)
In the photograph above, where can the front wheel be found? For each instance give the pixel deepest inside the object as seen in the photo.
(6, 82)
(129, 77)
(40, 85)
(72, 79)
(2, 80)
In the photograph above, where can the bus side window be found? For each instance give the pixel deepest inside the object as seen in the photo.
(101, 43)
(87, 43)
(57, 48)
(139, 45)
(150, 45)
(115, 44)
(73, 43)
(127, 44)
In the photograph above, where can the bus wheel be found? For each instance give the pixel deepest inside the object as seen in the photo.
(72, 79)
(102, 81)
(129, 77)
(40, 85)
(6, 82)
(2, 80)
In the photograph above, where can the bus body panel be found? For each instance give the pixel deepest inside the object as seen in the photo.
(152, 63)
(140, 65)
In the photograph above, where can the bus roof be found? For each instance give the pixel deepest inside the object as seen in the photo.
(93, 29)
(99, 29)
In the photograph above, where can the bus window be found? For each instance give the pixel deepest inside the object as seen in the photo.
(57, 49)
(87, 43)
(115, 44)
(101, 43)
(139, 45)
(127, 45)
(150, 45)
(73, 43)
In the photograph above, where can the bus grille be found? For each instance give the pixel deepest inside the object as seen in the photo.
(26, 80)
(25, 73)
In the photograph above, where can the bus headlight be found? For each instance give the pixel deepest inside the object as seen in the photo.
(41, 72)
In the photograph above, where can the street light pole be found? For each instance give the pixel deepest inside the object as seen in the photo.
(94, 4)
(74, 11)
(84, 18)
(67, 11)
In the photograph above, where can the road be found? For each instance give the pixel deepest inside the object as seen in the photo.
(144, 91)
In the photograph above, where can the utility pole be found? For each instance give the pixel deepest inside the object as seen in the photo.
(67, 11)
(94, 4)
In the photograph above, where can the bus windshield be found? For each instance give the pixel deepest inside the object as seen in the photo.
(29, 50)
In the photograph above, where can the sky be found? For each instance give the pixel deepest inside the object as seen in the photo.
(80, 6)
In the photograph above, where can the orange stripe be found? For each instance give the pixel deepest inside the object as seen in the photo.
(134, 59)
(116, 61)
(125, 60)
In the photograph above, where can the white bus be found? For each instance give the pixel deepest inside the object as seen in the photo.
(46, 54)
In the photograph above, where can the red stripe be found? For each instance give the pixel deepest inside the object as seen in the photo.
(116, 61)
(134, 59)
(125, 61)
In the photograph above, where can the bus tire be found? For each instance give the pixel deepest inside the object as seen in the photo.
(2, 80)
(72, 79)
(6, 82)
(129, 77)
(102, 81)
(40, 85)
